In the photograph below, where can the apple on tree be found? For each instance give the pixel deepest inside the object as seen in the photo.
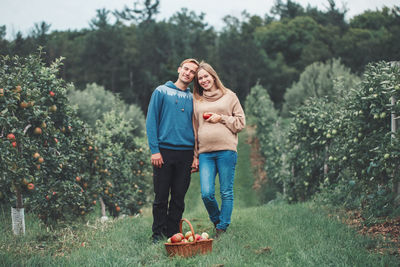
(37, 131)
(31, 186)
(10, 136)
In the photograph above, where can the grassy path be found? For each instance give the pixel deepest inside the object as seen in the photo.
(270, 235)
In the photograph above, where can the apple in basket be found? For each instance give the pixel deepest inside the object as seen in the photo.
(181, 235)
(197, 236)
(169, 240)
(190, 239)
(176, 238)
(188, 234)
(204, 235)
(184, 240)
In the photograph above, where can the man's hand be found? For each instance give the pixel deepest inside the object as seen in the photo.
(157, 160)
(195, 165)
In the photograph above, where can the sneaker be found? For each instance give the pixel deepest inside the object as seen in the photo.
(157, 238)
(219, 232)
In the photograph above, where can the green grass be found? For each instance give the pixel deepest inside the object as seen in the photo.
(270, 235)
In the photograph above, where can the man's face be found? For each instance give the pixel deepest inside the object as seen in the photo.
(187, 72)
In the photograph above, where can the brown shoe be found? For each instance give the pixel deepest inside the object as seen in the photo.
(215, 224)
(219, 232)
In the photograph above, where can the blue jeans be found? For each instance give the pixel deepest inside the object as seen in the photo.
(222, 162)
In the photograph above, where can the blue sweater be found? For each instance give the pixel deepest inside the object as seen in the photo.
(169, 119)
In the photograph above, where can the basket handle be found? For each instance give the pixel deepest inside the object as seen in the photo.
(191, 228)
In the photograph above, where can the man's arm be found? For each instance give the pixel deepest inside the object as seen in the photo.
(152, 125)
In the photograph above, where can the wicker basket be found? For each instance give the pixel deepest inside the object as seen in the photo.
(191, 248)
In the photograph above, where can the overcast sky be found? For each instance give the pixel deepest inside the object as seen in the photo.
(20, 15)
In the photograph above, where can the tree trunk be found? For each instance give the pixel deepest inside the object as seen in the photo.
(103, 207)
(17, 214)
(19, 204)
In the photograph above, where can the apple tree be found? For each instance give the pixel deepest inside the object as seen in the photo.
(124, 165)
(349, 147)
(370, 151)
(42, 142)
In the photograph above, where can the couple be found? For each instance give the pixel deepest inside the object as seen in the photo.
(182, 141)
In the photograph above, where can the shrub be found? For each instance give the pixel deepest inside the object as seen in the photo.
(94, 101)
(261, 113)
(318, 80)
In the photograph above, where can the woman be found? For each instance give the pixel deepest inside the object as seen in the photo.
(217, 119)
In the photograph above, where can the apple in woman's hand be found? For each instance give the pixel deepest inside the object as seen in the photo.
(206, 116)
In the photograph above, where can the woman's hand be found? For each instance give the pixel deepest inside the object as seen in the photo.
(195, 165)
(215, 118)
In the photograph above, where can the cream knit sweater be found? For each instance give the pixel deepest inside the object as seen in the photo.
(222, 135)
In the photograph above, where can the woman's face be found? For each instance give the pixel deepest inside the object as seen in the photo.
(206, 80)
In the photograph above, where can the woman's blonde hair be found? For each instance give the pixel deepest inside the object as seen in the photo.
(197, 89)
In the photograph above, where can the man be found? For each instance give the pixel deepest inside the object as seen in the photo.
(171, 140)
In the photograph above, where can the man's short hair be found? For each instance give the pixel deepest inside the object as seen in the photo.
(189, 60)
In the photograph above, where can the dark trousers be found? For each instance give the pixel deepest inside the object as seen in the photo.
(172, 178)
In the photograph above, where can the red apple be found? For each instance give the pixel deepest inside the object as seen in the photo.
(182, 236)
(198, 237)
(206, 116)
(10, 136)
(176, 238)
(52, 93)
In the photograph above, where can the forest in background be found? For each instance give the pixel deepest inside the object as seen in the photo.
(137, 52)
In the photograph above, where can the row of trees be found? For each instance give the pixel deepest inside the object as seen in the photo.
(347, 150)
(136, 53)
(55, 161)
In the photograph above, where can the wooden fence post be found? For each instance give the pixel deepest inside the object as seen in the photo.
(326, 161)
(396, 184)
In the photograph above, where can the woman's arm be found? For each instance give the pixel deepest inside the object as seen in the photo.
(237, 120)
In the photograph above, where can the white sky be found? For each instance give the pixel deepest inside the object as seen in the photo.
(20, 15)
